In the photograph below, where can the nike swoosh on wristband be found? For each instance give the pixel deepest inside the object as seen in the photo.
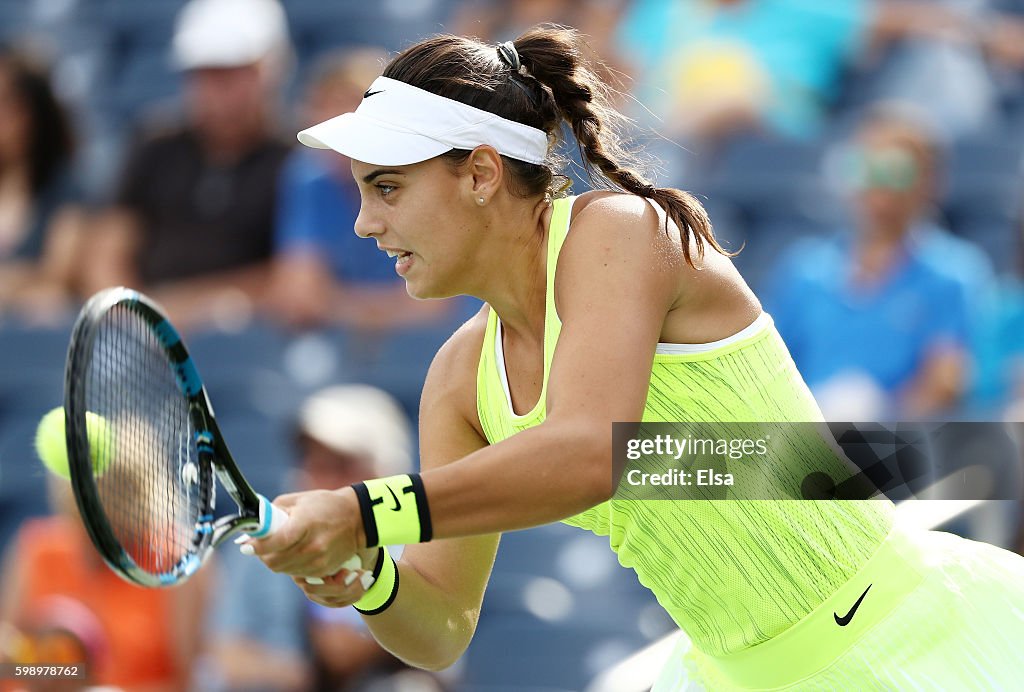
(369, 93)
(845, 620)
(398, 505)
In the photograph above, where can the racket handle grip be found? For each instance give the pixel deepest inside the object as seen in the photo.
(271, 518)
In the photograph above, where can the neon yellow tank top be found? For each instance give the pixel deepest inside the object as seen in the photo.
(731, 573)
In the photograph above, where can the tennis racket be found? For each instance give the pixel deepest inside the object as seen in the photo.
(148, 506)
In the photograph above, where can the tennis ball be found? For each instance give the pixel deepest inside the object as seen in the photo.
(51, 443)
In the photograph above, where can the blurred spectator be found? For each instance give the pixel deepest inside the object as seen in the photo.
(491, 20)
(193, 219)
(881, 320)
(710, 68)
(323, 272)
(344, 434)
(135, 638)
(57, 631)
(1001, 359)
(40, 211)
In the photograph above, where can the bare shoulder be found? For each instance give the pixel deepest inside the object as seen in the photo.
(603, 207)
(623, 236)
(625, 221)
(621, 244)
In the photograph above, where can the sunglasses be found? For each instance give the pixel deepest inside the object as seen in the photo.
(881, 169)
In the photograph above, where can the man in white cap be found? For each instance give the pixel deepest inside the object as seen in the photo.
(194, 210)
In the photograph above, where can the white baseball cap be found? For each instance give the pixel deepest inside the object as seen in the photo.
(398, 124)
(228, 33)
(360, 419)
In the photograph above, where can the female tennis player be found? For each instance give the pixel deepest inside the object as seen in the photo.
(610, 306)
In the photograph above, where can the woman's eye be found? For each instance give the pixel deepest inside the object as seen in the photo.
(385, 189)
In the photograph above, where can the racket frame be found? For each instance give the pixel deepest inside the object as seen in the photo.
(255, 511)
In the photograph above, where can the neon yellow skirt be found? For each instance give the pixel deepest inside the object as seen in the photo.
(929, 610)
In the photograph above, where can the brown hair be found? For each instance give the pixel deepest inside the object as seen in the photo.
(51, 143)
(556, 83)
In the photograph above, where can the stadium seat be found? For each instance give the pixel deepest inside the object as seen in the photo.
(395, 361)
(136, 69)
(767, 178)
(22, 476)
(150, 23)
(12, 18)
(143, 82)
(262, 448)
(560, 583)
(31, 369)
(762, 192)
(982, 194)
(516, 652)
(317, 26)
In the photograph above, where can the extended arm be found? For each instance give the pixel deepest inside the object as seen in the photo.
(434, 614)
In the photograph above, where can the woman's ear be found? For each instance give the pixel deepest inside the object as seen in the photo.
(485, 170)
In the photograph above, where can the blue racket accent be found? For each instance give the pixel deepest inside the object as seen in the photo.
(204, 524)
(188, 377)
(266, 515)
(191, 565)
(204, 441)
(186, 568)
(167, 334)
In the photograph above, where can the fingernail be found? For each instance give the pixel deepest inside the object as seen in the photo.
(315, 581)
(351, 578)
(247, 549)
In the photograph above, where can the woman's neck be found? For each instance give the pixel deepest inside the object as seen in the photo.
(515, 286)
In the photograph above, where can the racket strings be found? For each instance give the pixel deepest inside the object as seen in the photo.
(150, 487)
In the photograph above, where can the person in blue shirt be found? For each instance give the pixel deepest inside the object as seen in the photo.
(710, 69)
(881, 321)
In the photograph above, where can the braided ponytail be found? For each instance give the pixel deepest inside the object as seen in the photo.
(541, 80)
(552, 55)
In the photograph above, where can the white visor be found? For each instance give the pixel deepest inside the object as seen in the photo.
(397, 124)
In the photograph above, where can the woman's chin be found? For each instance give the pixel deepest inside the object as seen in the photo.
(418, 291)
(421, 291)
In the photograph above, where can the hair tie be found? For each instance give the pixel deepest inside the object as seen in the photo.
(508, 54)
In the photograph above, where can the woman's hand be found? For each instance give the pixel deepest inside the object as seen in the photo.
(324, 530)
(341, 589)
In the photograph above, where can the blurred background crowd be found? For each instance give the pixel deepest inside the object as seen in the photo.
(863, 156)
